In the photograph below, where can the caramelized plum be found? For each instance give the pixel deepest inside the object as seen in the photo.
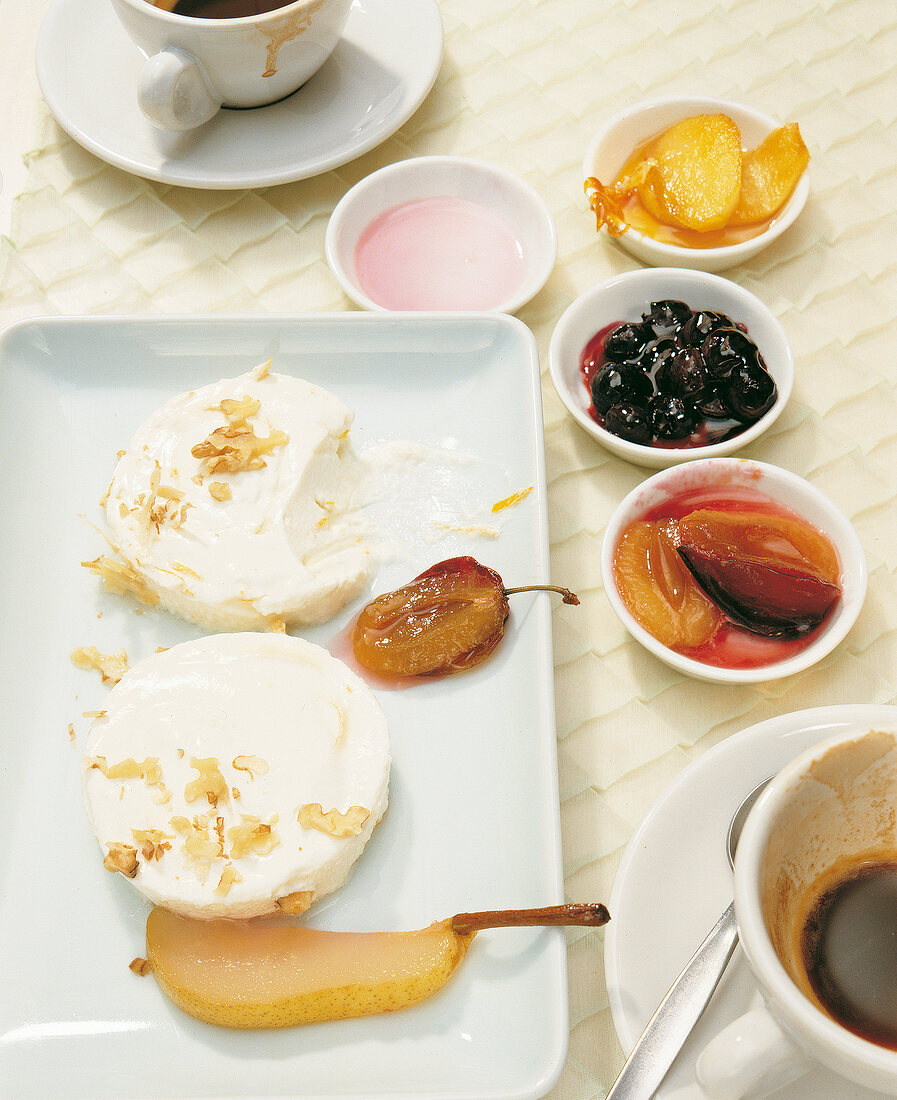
(761, 537)
(658, 590)
(773, 575)
(449, 618)
(777, 602)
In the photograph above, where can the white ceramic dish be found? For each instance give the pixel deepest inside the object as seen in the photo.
(787, 489)
(375, 79)
(625, 298)
(473, 816)
(511, 200)
(614, 143)
(674, 882)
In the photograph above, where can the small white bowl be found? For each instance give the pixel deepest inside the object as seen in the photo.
(507, 198)
(798, 496)
(615, 142)
(625, 298)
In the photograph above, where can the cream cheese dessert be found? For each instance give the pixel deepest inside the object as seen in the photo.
(237, 775)
(233, 506)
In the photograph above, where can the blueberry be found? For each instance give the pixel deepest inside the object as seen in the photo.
(672, 417)
(750, 392)
(713, 406)
(682, 374)
(701, 324)
(615, 383)
(629, 422)
(724, 349)
(666, 317)
(626, 341)
(656, 353)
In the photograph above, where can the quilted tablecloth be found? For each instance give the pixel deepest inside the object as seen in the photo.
(525, 83)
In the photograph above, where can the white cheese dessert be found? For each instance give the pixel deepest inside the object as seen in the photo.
(237, 775)
(233, 506)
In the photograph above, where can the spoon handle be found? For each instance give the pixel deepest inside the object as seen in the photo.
(679, 1011)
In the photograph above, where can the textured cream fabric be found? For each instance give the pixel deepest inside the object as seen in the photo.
(525, 83)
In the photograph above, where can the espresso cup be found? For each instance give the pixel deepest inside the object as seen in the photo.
(828, 819)
(193, 66)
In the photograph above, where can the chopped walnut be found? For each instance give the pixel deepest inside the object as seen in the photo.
(261, 371)
(219, 490)
(111, 666)
(71, 732)
(252, 836)
(252, 764)
(153, 842)
(121, 578)
(210, 782)
(93, 713)
(238, 409)
(140, 967)
(295, 903)
(129, 768)
(228, 877)
(312, 816)
(235, 448)
(201, 847)
(121, 857)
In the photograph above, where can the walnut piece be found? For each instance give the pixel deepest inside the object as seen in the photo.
(295, 903)
(255, 765)
(228, 877)
(235, 448)
(153, 842)
(140, 966)
(252, 836)
(219, 490)
(111, 666)
(210, 782)
(121, 857)
(122, 579)
(334, 823)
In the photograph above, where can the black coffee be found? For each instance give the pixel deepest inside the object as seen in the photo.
(226, 9)
(849, 947)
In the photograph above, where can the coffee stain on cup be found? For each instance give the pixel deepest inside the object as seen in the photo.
(286, 32)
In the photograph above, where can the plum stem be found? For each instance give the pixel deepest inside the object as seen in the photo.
(569, 597)
(593, 914)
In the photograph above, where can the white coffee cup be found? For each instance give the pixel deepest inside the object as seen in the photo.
(194, 66)
(832, 808)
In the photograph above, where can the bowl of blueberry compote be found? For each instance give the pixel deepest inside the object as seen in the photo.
(732, 570)
(668, 365)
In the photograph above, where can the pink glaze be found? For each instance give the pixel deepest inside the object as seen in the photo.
(439, 253)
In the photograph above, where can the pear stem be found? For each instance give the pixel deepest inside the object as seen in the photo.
(593, 914)
(569, 597)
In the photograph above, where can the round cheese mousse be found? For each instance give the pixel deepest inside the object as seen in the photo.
(237, 775)
(233, 506)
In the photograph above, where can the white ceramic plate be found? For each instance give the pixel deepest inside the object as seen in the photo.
(376, 78)
(674, 882)
(473, 821)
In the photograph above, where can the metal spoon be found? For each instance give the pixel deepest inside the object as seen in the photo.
(679, 1011)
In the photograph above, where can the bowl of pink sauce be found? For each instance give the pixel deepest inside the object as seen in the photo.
(441, 233)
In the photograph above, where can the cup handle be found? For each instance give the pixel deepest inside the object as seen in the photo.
(174, 92)
(751, 1058)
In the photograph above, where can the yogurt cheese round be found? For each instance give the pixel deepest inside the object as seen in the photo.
(237, 775)
(233, 506)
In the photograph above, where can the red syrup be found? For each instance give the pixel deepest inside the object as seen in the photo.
(732, 646)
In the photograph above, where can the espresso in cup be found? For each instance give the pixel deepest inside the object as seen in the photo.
(849, 949)
(221, 9)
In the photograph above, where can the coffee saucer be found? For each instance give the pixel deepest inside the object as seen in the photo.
(376, 78)
(674, 882)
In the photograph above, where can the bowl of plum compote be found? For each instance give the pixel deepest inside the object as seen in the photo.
(669, 365)
(733, 571)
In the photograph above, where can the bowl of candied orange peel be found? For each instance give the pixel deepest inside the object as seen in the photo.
(696, 182)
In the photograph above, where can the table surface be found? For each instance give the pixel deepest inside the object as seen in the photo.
(525, 83)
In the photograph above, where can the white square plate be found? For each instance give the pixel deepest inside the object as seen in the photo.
(473, 817)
